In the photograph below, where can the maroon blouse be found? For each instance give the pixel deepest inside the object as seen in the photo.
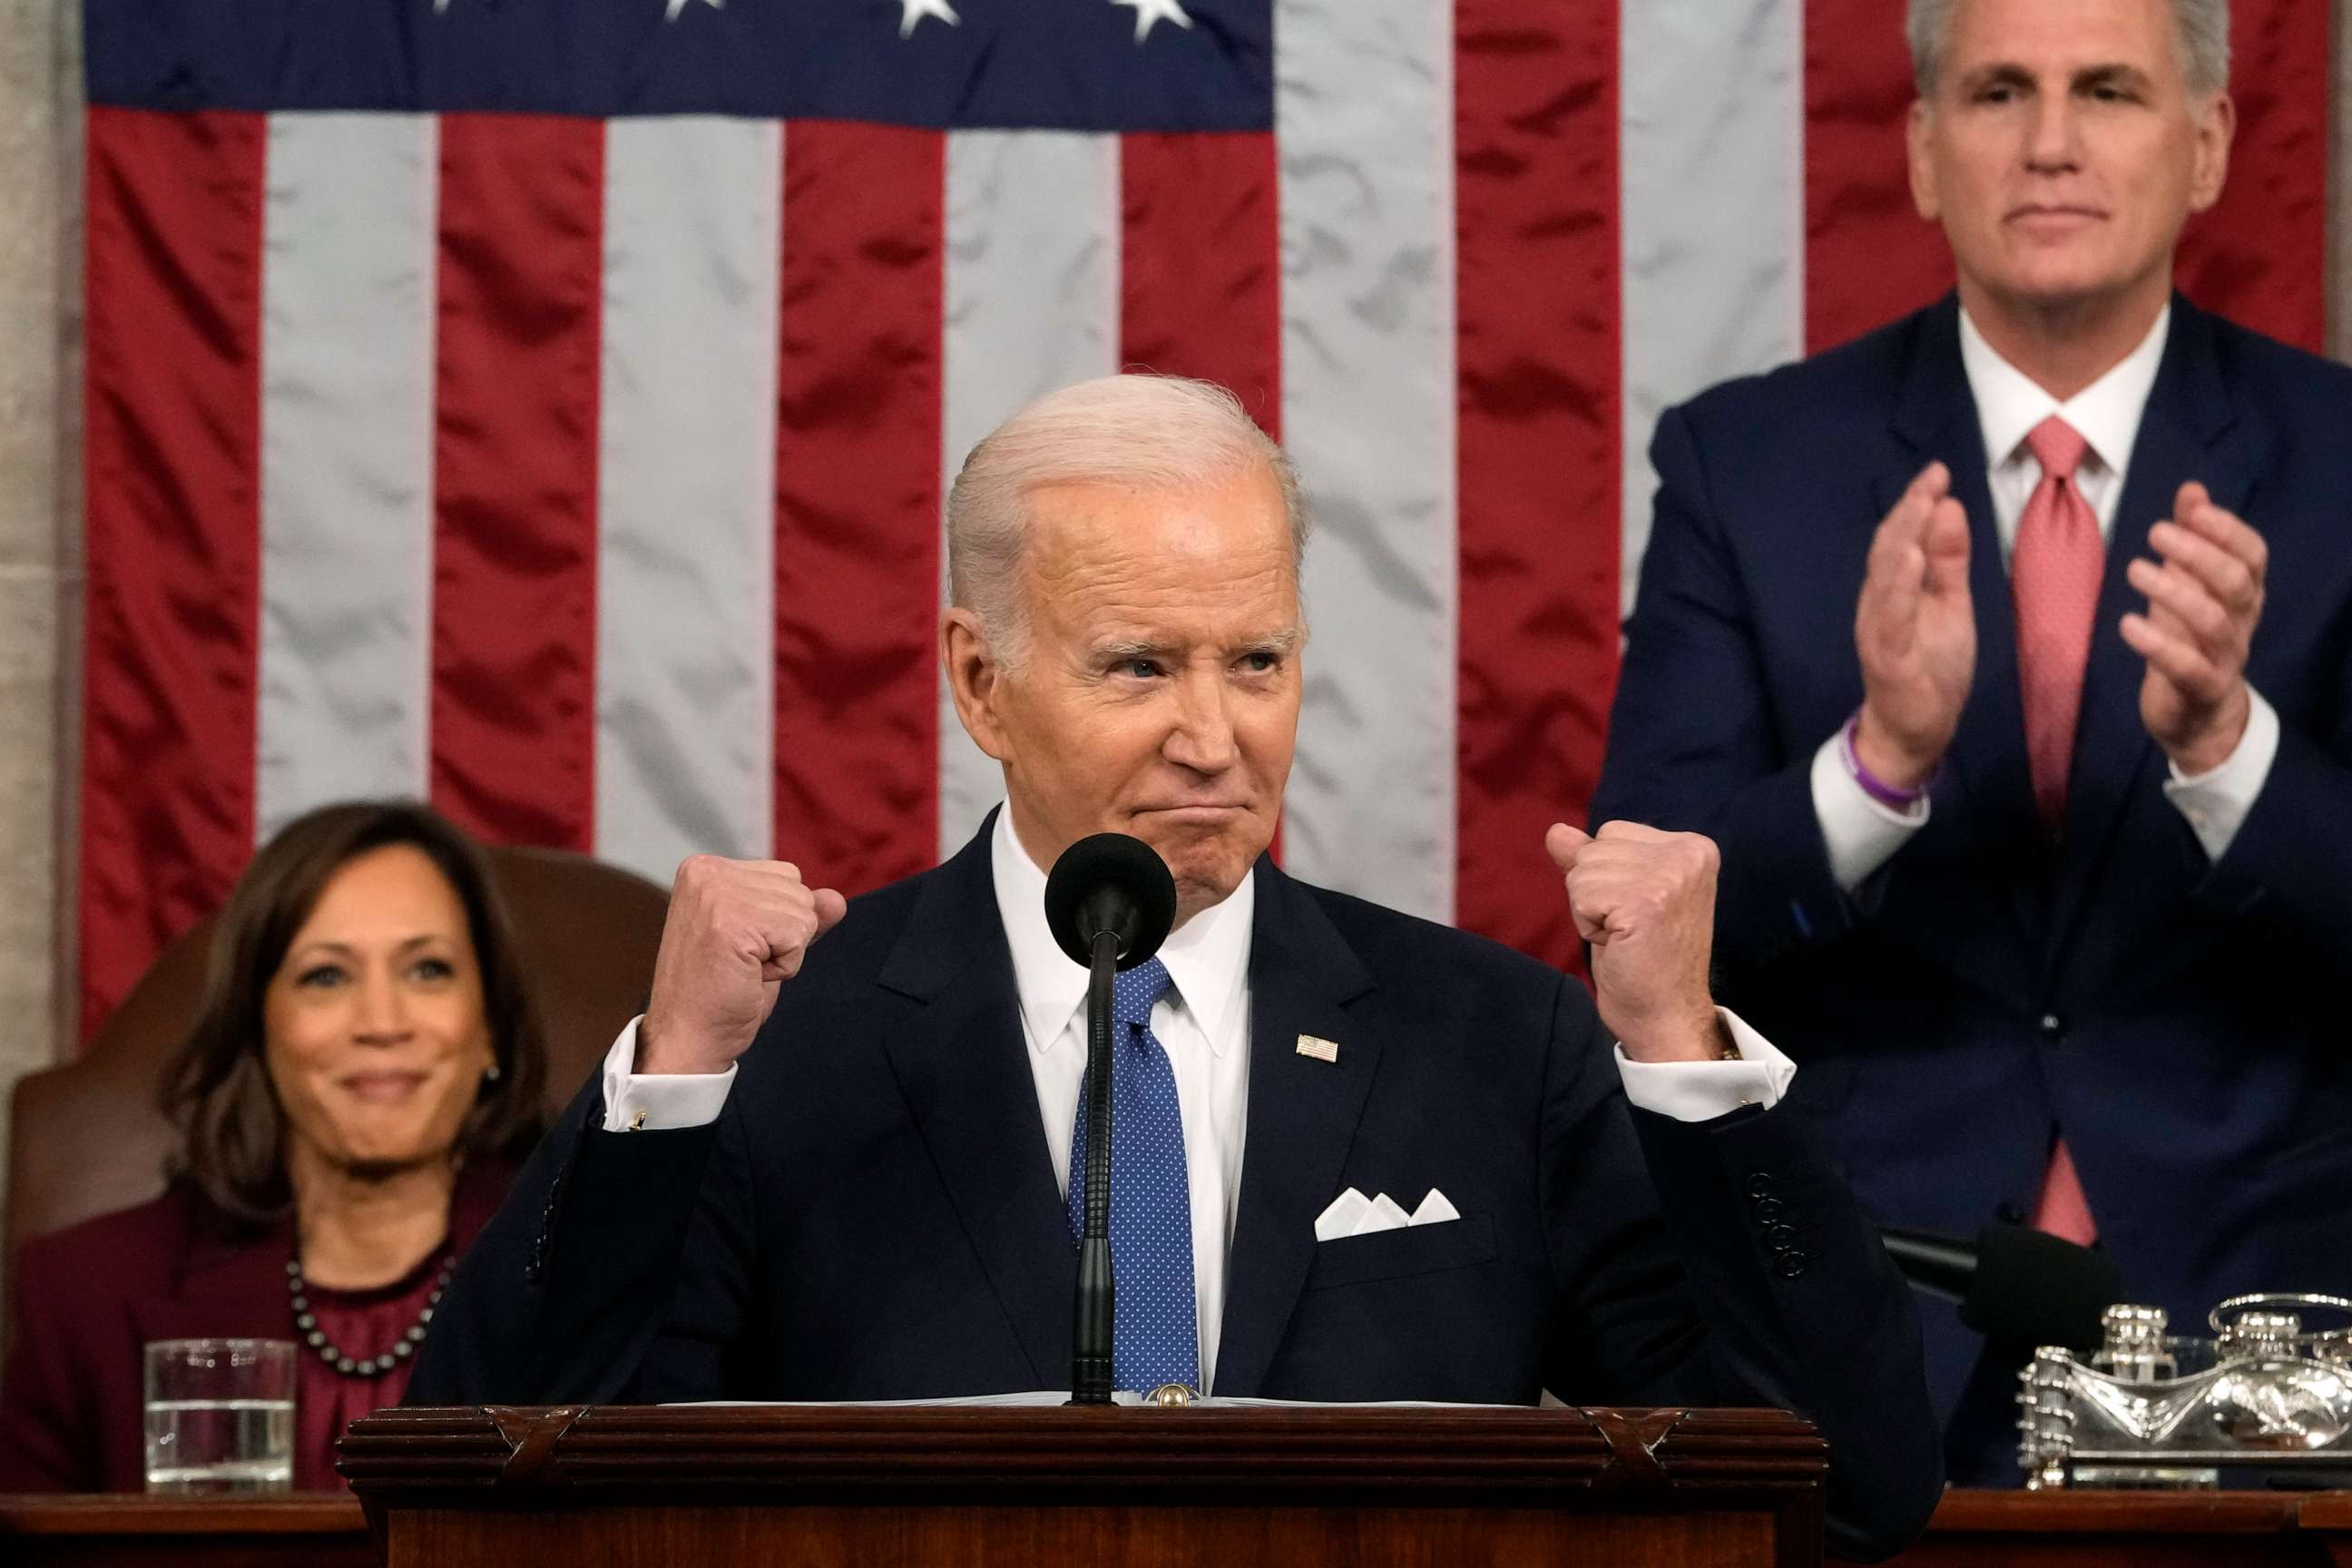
(362, 1324)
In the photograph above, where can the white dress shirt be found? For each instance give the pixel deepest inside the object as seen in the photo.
(1204, 1021)
(1861, 832)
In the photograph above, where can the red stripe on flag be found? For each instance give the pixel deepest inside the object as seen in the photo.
(1539, 426)
(1869, 257)
(2260, 257)
(857, 501)
(1201, 268)
(173, 525)
(1201, 264)
(514, 547)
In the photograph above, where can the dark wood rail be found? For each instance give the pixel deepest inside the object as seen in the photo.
(1234, 1487)
(200, 1533)
(1981, 1529)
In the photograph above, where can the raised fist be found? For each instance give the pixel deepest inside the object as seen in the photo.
(737, 931)
(1645, 900)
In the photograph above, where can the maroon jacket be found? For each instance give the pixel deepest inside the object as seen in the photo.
(72, 1407)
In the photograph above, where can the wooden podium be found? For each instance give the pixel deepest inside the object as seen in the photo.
(1228, 1487)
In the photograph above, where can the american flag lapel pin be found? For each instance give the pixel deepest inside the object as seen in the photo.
(1321, 1050)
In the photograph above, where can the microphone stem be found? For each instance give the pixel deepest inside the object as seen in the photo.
(1091, 1338)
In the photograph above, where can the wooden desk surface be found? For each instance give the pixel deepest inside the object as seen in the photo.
(1982, 1530)
(131, 1529)
(2136, 1529)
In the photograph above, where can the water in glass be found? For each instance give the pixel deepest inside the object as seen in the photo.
(220, 1445)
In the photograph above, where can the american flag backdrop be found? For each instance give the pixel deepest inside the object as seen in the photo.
(545, 406)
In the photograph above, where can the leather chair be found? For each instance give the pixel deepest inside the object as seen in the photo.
(88, 1137)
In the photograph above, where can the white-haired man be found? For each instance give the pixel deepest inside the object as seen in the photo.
(2008, 654)
(843, 1171)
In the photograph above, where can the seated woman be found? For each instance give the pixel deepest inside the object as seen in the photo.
(361, 1080)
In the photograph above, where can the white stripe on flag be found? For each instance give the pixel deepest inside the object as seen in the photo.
(1033, 285)
(1711, 100)
(686, 490)
(347, 300)
(1364, 112)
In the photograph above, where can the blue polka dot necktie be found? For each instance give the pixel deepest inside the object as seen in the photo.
(1155, 1338)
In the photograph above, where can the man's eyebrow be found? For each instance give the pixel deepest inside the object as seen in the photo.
(1999, 73)
(1283, 641)
(2119, 73)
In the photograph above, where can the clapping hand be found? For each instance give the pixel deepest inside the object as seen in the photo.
(2204, 602)
(1916, 632)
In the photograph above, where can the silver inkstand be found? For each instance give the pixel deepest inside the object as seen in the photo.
(2152, 1409)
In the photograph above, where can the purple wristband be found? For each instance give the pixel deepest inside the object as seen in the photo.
(1877, 788)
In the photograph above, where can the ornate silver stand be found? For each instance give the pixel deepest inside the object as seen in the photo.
(2152, 1409)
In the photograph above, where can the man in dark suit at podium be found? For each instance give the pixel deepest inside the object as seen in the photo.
(2008, 654)
(1356, 1156)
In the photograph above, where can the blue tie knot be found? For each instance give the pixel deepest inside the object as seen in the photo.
(1134, 992)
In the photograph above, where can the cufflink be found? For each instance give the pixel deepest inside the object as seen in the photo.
(637, 1123)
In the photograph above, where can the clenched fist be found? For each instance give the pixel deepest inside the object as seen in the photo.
(737, 931)
(1645, 900)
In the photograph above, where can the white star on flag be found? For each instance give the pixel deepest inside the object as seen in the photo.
(678, 6)
(1146, 12)
(914, 11)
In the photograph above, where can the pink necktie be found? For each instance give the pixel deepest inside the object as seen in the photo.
(2054, 581)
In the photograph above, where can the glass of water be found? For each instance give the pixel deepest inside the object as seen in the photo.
(220, 1417)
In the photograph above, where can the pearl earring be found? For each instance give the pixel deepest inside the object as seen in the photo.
(491, 1074)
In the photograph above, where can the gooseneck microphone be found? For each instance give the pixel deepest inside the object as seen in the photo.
(1110, 903)
(2015, 1284)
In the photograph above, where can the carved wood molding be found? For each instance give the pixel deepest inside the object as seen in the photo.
(571, 1454)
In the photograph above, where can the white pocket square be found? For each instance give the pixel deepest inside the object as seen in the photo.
(1352, 1214)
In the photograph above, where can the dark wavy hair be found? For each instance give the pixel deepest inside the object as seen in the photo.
(217, 1090)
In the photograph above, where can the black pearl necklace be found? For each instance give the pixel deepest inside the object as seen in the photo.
(306, 1323)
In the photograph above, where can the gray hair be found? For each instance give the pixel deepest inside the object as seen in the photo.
(1154, 432)
(2201, 26)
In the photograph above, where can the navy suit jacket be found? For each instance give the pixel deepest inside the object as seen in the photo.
(2181, 1022)
(875, 1215)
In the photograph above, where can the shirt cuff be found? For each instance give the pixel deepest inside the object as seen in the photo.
(658, 1102)
(1701, 1092)
(1861, 834)
(2217, 803)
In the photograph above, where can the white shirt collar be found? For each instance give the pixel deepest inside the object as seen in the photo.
(2106, 413)
(1207, 957)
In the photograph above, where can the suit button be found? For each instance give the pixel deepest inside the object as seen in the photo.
(1781, 1238)
(1759, 1185)
(1770, 1211)
(1789, 1264)
(2053, 1027)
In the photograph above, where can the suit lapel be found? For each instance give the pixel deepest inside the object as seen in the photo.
(1302, 1117)
(1987, 771)
(2189, 431)
(962, 1065)
(226, 1288)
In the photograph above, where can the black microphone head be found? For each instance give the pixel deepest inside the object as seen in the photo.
(1116, 883)
(2035, 1288)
